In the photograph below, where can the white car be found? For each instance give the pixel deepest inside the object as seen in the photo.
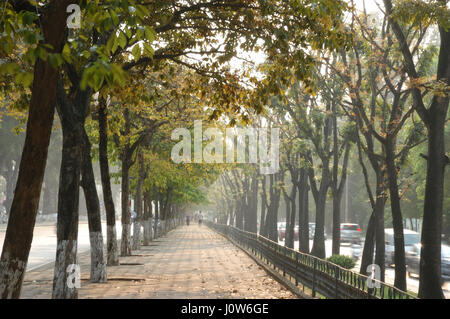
(411, 238)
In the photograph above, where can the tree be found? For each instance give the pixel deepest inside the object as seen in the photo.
(24, 206)
(434, 119)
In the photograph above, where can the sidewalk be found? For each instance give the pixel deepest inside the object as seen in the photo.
(189, 262)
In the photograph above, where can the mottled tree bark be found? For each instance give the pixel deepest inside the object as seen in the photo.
(138, 204)
(397, 219)
(67, 223)
(262, 228)
(125, 245)
(369, 244)
(320, 198)
(98, 263)
(157, 206)
(303, 212)
(148, 233)
(72, 113)
(252, 213)
(112, 250)
(22, 216)
(430, 262)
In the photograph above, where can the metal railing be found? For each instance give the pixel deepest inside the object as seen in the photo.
(320, 276)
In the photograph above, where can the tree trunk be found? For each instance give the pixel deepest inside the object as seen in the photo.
(292, 216)
(240, 215)
(22, 215)
(147, 218)
(369, 243)
(287, 233)
(272, 229)
(155, 231)
(138, 204)
(125, 245)
(397, 219)
(380, 254)
(430, 286)
(72, 112)
(336, 244)
(67, 223)
(251, 224)
(136, 242)
(112, 250)
(262, 224)
(98, 265)
(303, 212)
(318, 248)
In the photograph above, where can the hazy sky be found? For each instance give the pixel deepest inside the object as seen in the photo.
(371, 5)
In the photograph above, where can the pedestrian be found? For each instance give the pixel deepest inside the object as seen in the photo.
(200, 218)
(188, 219)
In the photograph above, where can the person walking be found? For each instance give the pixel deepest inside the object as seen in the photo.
(188, 219)
(200, 218)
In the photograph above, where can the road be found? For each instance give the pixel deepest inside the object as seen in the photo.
(347, 249)
(43, 247)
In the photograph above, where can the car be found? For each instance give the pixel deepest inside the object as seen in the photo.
(312, 230)
(356, 251)
(350, 233)
(411, 238)
(412, 259)
(311, 227)
(296, 232)
(281, 230)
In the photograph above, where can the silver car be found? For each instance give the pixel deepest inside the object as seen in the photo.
(350, 233)
(411, 238)
(413, 261)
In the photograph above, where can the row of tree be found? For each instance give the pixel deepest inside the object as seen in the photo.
(380, 102)
(135, 70)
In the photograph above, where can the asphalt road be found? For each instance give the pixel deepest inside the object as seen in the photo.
(43, 247)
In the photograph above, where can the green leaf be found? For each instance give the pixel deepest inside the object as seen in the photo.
(28, 18)
(122, 40)
(66, 54)
(148, 50)
(55, 60)
(136, 51)
(150, 34)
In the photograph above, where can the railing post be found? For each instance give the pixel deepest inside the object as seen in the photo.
(296, 269)
(336, 276)
(314, 278)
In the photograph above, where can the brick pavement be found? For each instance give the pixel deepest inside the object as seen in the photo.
(189, 262)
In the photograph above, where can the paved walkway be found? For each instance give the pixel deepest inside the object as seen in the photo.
(189, 262)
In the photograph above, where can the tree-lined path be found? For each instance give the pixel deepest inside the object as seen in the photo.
(189, 262)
